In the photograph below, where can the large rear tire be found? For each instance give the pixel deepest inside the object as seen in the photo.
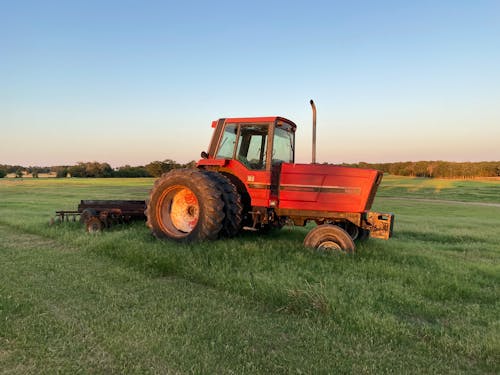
(231, 225)
(329, 238)
(185, 205)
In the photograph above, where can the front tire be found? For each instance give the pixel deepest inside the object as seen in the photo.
(329, 238)
(185, 205)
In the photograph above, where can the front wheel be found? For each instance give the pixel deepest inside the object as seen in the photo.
(329, 238)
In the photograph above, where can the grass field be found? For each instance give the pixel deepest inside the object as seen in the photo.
(426, 301)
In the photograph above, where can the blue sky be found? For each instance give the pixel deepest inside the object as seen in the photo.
(129, 82)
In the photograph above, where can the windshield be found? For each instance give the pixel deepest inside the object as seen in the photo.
(226, 148)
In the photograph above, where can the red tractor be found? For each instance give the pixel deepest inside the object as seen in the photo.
(248, 180)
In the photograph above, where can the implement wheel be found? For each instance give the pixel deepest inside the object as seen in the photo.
(94, 225)
(185, 205)
(87, 214)
(329, 238)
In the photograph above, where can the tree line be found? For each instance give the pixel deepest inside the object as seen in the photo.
(436, 169)
(431, 169)
(96, 169)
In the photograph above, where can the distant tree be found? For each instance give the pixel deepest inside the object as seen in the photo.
(37, 170)
(14, 168)
(3, 173)
(19, 173)
(420, 169)
(105, 170)
(128, 171)
(191, 164)
(170, 164)
(92, 169)
(61, 172)
(77, 170)
(406, 169)
(34, 173)
(155, 168)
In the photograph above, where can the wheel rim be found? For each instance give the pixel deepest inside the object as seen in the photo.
(94, 225)
(178, 211)
(329, 246)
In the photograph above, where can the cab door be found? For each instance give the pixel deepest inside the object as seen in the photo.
(247, 147)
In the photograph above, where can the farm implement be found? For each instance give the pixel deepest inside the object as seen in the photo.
(96, 215)
(248, 180)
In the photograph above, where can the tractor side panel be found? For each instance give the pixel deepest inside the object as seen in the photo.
(327, 187)
(257, 182)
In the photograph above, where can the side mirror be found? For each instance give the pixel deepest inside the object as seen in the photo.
(204, 155)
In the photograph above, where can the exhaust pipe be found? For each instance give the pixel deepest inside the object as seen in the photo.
(314, 132)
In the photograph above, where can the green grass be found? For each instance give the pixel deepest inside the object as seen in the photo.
(487, 191)
(426, 301)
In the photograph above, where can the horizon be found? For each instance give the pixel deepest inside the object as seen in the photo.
(186, 162)
(131, 83)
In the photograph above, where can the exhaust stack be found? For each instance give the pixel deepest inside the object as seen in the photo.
(314, 132)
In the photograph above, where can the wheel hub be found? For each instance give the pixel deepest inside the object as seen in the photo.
(329, 246)
(184, 210)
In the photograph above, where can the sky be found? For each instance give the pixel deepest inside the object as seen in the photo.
(129, 82)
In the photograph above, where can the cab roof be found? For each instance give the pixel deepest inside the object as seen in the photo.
(253, 120)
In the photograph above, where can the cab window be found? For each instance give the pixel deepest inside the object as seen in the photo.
(283, 145)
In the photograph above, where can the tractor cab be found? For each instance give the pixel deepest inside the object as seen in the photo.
(249, 151)
(257, 143)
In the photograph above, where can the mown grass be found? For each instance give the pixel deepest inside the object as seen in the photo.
(424, 301)
(487, 191)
